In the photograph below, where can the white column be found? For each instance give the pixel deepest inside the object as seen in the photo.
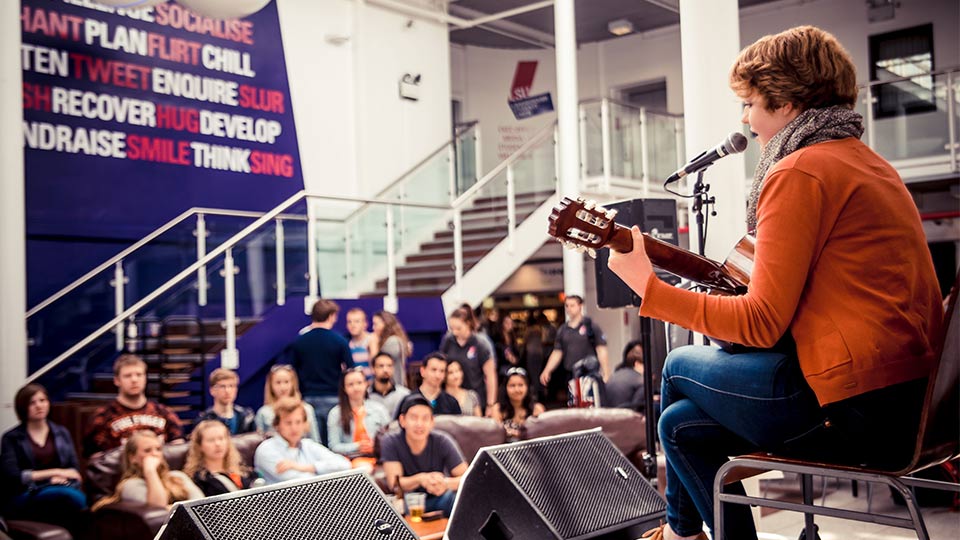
(709, 42)
(13, 266)
(568, 170)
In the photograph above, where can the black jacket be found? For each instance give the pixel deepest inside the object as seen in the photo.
(17, 460)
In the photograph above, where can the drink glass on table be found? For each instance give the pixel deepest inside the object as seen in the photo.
(416, 503)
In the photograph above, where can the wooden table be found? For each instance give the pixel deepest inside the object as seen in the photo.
(428, 530)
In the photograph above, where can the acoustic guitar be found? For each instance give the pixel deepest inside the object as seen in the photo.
(586, 227)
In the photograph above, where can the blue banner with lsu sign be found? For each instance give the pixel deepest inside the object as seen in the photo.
(521, 102)
(531, 106)
(131, 117)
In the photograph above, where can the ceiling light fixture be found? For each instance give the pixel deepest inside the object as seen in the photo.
(620, 27)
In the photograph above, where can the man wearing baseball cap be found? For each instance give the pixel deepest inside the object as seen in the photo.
(420, 459)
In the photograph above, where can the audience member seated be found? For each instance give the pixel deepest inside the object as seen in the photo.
(147, 479)
(214, 463)
(131, 411)
(281, 383)
(420, 459)
(223, 388)
(289, 456)
(433, 371)
(479, 364)
(453, 384)
(516, 403)
(624, 389)
(391, 338)
(39, 466)
(354, 423)
(360, 340)
(383, 390)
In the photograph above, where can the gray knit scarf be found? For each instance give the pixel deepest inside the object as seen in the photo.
(810, 127)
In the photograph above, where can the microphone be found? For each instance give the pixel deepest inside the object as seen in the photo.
(734, 144)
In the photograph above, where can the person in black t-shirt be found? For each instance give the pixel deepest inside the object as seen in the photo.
(479, 364)
(433, 371)
(624, 389)
(576, 340)
(420, 459)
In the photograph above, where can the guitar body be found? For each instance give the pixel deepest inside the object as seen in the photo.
(582, 225)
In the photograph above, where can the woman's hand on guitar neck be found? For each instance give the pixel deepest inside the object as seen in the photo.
(634, 267)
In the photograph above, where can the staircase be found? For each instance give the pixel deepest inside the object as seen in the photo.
(176, 350)
(430, 271)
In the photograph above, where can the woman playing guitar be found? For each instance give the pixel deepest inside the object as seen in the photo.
(841, 263)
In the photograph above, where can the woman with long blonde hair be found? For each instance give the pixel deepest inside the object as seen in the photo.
(147, 479)
(282, 382)
(214, 463)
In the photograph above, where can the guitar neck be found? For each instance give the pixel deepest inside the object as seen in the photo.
(678, 261)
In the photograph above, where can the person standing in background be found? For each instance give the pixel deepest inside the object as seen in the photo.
(392, 339)
(361, 342)
(320, 356)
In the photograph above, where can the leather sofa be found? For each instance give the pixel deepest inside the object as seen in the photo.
(125, 521)
(624, 427)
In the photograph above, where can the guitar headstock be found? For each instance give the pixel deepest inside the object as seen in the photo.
(582, 225)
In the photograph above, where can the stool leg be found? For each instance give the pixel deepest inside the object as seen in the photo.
(809, 525)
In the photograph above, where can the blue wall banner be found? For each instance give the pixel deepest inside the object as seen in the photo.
(132, 117)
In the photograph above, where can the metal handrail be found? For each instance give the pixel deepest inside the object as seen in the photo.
(910, 77)
(625, 105)
(190, 270)
(487, 178)
(142, 242)
(425, 160)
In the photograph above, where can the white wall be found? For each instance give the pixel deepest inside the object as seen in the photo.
(344, 61)
(482, 76)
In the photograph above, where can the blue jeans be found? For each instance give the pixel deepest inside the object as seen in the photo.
(714, 405)
(443, 502)
(322, 405)
(59, 505)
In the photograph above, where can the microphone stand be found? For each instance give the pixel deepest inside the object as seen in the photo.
(701, 197)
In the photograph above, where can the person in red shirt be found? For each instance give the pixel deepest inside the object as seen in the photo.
(131, 411)
(842, 309)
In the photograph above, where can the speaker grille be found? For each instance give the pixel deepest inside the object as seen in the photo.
(330, 509)
(579, 486)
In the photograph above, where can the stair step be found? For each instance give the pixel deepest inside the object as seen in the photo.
(91, 396)
(446, 255)
(180, 365)
(173, 394)
(536, 195)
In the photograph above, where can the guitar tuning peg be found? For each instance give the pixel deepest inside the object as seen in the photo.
(592, 252)
(581, 200)
(610, 214)
(590, 205)
(581, 249)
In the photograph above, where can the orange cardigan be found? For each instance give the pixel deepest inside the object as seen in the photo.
(842, 262)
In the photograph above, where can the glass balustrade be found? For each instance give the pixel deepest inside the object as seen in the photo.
(354, 241)
(665, 150)
(911, 117)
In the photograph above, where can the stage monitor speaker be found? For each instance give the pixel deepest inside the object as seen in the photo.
(656, 217)
(342, 506)
(571, 486)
